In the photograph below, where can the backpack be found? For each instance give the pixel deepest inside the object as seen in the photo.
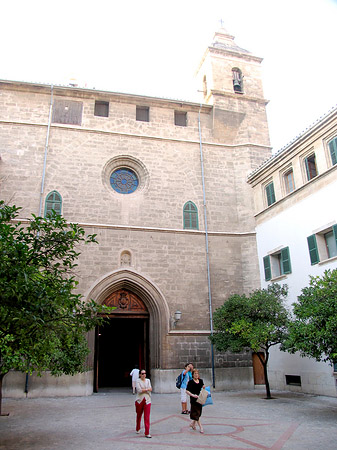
(179, 380)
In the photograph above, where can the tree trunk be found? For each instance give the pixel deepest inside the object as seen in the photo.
(266, 381)
(265, 370)
(1, 377)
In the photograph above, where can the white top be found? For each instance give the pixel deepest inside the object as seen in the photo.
(146, 384)
(135, 374)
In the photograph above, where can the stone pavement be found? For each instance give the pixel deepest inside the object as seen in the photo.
(238, 420)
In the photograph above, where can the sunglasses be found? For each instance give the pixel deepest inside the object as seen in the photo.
(143, 373)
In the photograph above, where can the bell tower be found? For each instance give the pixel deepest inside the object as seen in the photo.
(229, 78)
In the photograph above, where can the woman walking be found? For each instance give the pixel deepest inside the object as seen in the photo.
(193, 389)
(143, 403)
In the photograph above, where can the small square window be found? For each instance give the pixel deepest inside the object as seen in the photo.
(180, 118)
(293, 380)
(143, 113)
(101, 109)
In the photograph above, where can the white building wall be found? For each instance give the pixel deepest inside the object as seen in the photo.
(290, 228)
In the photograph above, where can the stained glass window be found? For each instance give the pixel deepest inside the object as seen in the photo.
(124, 181)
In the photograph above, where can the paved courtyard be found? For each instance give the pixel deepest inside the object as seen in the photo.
(238, 420)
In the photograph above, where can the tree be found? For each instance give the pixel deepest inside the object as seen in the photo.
(314, 330)
(43, 322)
(257, 322)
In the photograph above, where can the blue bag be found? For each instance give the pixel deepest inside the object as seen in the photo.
(209, 400)
(179, 380)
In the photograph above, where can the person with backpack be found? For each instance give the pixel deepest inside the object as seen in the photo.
(186, 376)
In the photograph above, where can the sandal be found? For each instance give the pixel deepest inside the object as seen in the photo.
(193, 427)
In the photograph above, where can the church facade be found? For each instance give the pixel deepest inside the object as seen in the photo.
(162, 183)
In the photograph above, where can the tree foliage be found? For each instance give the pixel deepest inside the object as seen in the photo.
(314, 330)
(43, 321)
(255, 322)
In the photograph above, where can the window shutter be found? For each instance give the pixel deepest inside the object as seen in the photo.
(333, 151)
(267, 268)
(270, 194)
(334, 229)
(67, 112)
(313, 251)
(285, 260)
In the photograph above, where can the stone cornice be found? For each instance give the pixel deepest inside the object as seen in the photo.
(237, 54)
(156, 229)
(132, 135)
(80, 92)
(242, 96)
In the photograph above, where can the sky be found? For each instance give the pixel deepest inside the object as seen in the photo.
(153, 47)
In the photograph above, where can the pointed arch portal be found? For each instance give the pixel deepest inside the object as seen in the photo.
(134, 330)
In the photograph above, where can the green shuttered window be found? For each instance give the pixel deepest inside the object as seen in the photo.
(53, 202)
(190, 216)
(277, 264)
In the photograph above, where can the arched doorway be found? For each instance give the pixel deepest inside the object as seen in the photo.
(158, 312)
(122, 342)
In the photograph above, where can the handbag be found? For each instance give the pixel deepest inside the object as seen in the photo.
(202, 397)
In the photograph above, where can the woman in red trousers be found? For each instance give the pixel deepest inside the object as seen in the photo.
(143, 402)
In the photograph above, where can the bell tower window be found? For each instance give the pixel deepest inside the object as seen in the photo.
(237, 80)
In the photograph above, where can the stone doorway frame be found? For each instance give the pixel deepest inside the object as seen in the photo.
(152, 297)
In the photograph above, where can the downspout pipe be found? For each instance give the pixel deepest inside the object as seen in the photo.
(42, 182)
(207, 252)
(46, 150)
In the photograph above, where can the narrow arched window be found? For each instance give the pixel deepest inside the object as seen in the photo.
(237, 80)
(53, 202)
(190, 216)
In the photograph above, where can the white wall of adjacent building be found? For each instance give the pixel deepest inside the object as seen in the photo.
(291, 227)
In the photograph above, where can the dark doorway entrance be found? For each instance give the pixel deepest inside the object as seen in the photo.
(122, 341)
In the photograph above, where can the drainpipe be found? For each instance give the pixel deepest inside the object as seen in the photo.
(42, 181)
(207, 252)
(46, 150)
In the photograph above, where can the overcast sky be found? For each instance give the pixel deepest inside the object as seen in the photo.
(153, 47)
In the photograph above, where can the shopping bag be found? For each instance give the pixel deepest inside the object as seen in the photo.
(202, 397)
(209, 400)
